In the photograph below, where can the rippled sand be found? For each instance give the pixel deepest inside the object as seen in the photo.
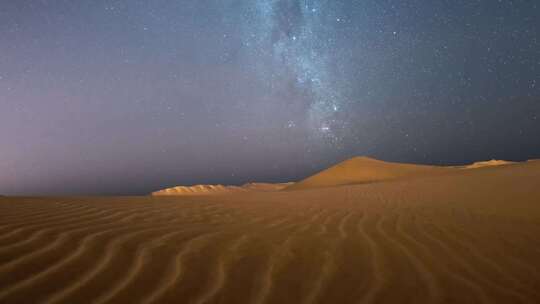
(471, 236)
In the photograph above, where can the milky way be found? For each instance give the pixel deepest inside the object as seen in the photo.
(293, 44)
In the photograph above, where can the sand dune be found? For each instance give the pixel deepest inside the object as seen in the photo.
(489, 163)
(199, 190)
(469, 236)
(220, 189)
(357, 170)
(362, 170)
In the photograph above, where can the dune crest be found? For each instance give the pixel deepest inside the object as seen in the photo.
(489, 163)
(357, 170)
(221, 189)
(362, 170)
(199, 190)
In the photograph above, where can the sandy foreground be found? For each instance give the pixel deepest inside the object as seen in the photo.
(433, 236)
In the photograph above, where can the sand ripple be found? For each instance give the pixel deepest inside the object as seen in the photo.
(399, 242)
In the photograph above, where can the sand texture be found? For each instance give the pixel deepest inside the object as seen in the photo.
(392, 234)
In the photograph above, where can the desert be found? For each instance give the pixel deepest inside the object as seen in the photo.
(269, 152)
(396, 233)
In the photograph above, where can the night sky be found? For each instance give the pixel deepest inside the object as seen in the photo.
(130, 96)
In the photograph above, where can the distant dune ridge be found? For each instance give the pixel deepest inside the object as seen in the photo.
(360, 170)
(489, 163)
(357, 170)
(220, 189)
(199, 190)
(363, 231)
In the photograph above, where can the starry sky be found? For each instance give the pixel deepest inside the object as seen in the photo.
(130, 96)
